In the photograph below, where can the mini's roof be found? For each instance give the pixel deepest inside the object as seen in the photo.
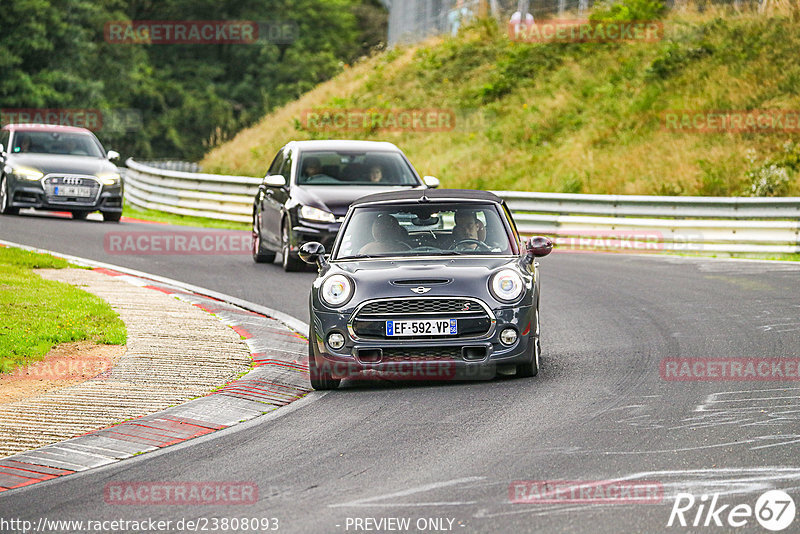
(44, 128)
(432, 195)
(340, 144)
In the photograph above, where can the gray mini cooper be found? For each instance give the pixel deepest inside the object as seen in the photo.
(428, 284)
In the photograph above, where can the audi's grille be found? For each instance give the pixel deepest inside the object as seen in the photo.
(70, 189)
(472, 320)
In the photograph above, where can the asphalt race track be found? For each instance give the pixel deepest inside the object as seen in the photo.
(598, 410)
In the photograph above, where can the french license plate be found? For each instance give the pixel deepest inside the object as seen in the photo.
(72, 191)
(437, 327)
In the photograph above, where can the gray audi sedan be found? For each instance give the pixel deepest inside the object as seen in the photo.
(425, 285)
(61, 168)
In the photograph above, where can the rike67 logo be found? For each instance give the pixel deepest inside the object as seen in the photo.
(774, 510)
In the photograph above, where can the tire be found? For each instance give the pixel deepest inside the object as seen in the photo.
(260, 254)
(531, 369)
(321, 380)
(291, 264)
(79, 215)
(112, 216)
(5, 199)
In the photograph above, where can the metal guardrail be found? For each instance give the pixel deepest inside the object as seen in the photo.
(577, 222)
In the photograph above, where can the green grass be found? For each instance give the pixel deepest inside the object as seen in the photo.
(37, 314)
(577, 117)
(181, 220)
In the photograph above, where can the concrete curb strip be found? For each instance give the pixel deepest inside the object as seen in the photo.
(279, 378)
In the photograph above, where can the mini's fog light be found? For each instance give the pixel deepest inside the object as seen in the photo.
(508, 336)
(336, 340)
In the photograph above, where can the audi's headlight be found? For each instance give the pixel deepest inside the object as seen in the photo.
(24, 172)
(315, 214)
(506, 285)
(109, 178)
(336, 290)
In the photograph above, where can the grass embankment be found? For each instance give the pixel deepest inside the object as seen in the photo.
(37, 314)
(181, 220)
(578, 117)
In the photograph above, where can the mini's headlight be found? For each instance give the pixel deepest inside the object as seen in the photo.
(316, 214)
(25, 172)
(506, 285)
(109, 178)
(336, 290)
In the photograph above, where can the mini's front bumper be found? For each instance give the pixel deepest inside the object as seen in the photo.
(442, 358)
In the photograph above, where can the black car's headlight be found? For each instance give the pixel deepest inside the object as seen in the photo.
(315, 214)
(26, 173)
(336, 290)
(109, 178)
(506, 285)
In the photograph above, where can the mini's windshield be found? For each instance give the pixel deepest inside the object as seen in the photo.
(424, 230)
(355, 168)
(65, 143)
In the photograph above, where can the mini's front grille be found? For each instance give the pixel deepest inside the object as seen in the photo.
(472, 320)
(414, 306)
(406, 354)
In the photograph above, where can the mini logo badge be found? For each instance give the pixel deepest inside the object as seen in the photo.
(420, 290)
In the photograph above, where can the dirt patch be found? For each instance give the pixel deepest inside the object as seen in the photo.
(65, 365)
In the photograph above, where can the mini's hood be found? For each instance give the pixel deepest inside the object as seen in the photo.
(336, 198)
(445, 277)
(53, 163)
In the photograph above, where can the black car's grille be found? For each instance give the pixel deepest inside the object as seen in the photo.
(472, 320)
(405, 354)
(81, 190)
(414, 306)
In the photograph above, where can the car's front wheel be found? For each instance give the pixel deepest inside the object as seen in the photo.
(321, 379)
(80, 215)
(290, 263)
(529, 369)
(5, 198)
(112, 216)
(260, 254)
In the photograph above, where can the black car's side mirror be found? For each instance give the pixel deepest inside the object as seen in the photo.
(312, 252)
(538, 247)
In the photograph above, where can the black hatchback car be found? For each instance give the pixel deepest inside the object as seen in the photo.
(60, 168)
(431, 284)
(310, 185)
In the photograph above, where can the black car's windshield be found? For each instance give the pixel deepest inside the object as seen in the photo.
(378, 168)
(64, 143)
(451, 229)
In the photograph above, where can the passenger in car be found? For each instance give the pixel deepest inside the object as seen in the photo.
(389, 236)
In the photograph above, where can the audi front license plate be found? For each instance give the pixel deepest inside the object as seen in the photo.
(72, 191)
(439, 327)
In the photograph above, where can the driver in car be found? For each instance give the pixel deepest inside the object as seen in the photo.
(468, 227)
(312, 168)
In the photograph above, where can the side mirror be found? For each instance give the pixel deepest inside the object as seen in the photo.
(539, 246)
(112, 154)
(312, 252)
(274, 180)
(431, 181)
(2, 149)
